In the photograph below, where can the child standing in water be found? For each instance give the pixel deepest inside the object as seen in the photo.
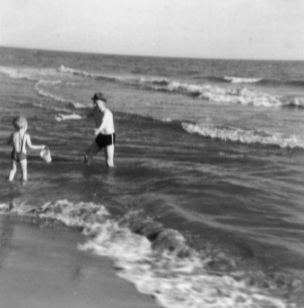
(19, 141)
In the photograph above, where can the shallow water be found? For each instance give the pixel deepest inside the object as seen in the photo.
(209, 171)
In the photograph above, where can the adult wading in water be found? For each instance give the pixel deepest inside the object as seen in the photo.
(104, 131)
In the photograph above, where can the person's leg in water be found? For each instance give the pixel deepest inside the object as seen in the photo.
(90, 152)
(109, 155)
(13, 170)
(23, 164)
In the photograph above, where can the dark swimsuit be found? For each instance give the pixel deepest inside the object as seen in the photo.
(18, 157)
(105, 140)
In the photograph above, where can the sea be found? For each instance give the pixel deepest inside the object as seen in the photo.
(205, 205)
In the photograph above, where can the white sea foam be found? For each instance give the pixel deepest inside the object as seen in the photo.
(154, 80)
(244, 136)
(173, 280)
(44, 93)
(29, 73)
(213, 93)
(223, 95)
(233, 79)
(295, 102)
(69, 70)
(16, 74)
(56, 98)
(73, 71)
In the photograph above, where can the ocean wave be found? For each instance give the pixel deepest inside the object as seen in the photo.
(297, 102)
(56, 98)
(257, 80)
(223, 95)
(212, 93)
(52, 108)
(293, 83)
(155, 81)
(17, 74)
(81, 73)
(209, 92)
(234, 134)
(46, 94)
(160, 262)
(233, 79)
(205, 91)
(29, 73)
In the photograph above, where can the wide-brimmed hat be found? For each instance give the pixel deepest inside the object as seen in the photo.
(99, 96)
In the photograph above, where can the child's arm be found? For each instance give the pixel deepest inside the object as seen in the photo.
(31, 146)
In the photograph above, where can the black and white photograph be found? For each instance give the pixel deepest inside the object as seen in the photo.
(152, 154)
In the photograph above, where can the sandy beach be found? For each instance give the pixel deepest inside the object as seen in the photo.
(40, 266)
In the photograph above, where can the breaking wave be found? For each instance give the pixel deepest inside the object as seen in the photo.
(203, 91)
(16, 74)
(242, 80)
(222, 95)
(209, 92)
(159, 262)
(81, 73)
(234, 134)
(56, 98)
(260, 81)
(295, 102)
(28, 73)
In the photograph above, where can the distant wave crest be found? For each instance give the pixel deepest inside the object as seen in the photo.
(16, 74)
(258, 80)
(208, 92)
(56, 98)
(81, 73)
(204, 91)
(223, 95)
(244, 136)
(241, 79)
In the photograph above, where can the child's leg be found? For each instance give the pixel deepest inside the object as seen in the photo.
(23, 164)
(13, 170)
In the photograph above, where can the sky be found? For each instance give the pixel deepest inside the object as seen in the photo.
(237, 29)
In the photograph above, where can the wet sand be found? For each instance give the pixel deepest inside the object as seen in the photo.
(40, 266)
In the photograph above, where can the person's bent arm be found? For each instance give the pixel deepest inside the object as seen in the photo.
(32, 146)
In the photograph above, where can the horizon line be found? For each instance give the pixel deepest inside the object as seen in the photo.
(152, 56)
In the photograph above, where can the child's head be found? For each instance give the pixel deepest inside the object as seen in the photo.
(20, 123)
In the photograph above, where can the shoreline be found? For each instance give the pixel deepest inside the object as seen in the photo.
(40, 266)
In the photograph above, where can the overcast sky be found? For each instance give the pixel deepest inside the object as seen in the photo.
(241, 29)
